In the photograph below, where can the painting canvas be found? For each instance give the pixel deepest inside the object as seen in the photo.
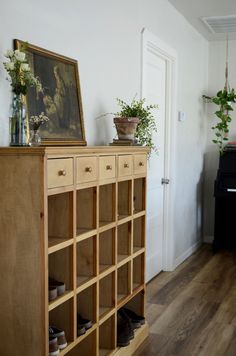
(60, 99)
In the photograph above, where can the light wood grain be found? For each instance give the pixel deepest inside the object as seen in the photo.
(125, 165)
(22, 248)
(60, 172)
(66, 226)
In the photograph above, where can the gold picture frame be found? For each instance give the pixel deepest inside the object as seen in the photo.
(60, 99)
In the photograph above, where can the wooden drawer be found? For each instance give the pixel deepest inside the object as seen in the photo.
(140, 164)
(125, 165)
(60, 172)
(107, 167)
(86, 169)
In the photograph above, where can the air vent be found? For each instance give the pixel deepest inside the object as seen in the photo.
(220, 24)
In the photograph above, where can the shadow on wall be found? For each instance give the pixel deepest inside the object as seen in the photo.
(211, 163)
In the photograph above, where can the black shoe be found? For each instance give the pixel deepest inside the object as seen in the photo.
(135, 319)
(80, 330)
(83, 323)
(123, 331)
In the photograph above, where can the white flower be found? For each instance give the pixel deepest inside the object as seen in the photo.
(19, 56)
(9, 66)
(9, 53)
(25, 67)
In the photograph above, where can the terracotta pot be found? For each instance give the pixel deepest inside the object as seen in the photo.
(126, 127)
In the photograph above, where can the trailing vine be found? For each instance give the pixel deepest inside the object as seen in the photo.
(224, 98)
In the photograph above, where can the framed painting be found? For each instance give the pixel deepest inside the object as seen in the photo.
(60, 98)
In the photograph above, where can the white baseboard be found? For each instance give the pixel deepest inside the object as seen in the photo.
(187, 253)
(208, 239)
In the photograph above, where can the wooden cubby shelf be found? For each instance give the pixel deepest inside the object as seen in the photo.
(86, 210)
(123, 241)
(106, 249)
(60, 219)
(106, 204)
(139, 199)
(123, 282)
(80, 221)
(86, 260)
(106, 294)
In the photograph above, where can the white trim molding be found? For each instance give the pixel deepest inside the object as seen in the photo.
(187, 253)
(151, 43)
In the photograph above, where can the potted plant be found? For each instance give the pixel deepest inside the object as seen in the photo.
(135, 121)
(224, 99)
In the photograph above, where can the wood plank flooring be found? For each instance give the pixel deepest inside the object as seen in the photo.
(192, 311)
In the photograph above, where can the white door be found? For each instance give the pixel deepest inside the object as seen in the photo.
(158, 87)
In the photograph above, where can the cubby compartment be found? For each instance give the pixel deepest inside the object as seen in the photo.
(139, 195)
(123, 281)
(124, 199)
(86, 200)
(60, 265)
(60, 218)
(106, 249)
(106, 294)
(86, 347)
(62, 318)
(138, 271)
(138, 234)
(123, 241)
(86, 259)
(107, 337)
(106, 204)
(136, 304)
(86, 304)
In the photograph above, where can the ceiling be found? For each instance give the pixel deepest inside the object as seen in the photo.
(194, 10)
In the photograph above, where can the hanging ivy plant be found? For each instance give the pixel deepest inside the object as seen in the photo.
(224, 99)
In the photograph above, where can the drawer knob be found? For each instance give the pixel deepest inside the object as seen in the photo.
(88, 169)
(62, 172)
(126, 165)
(141, 164)
(108, 167)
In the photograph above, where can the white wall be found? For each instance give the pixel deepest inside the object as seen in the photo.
(105, 37)
(217, 58)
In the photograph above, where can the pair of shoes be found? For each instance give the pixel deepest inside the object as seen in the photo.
(55, 288)
(57, 340)
(83, 325)
(125, 331)
(53, 346)
(136, 320)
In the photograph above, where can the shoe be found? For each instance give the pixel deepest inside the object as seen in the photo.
(81, 322)
(53, 346)
(60, 286)
(80, 330)
(135, 318)
(60, 335)
(52, 293)
(125, 331)
(128, 322)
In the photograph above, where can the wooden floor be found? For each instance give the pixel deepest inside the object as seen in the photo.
(192, 311)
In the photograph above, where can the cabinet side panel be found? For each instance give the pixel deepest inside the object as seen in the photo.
(22, 256)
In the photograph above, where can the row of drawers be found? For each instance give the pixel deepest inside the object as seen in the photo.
(88, 169)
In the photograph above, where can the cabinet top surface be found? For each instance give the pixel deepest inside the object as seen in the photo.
(46, 150)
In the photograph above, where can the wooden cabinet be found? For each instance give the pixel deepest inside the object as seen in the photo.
(76, 214)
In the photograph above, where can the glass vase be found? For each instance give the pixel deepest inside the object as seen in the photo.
(34, 139)
(18, 122)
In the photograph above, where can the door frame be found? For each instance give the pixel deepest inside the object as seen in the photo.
(152, 43)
